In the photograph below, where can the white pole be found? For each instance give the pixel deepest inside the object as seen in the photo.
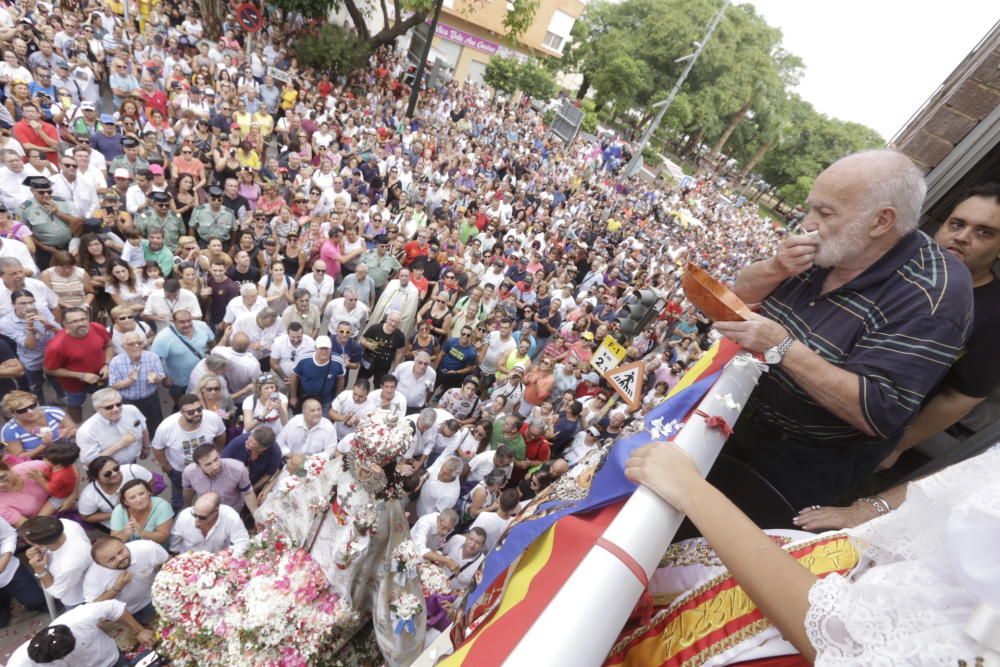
(598, 597)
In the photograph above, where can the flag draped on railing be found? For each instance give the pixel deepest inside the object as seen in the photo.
(538, 554)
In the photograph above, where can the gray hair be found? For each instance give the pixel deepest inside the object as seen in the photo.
(449, 515)
(216, 362)
(899, 184)
(427, 417)
(10, 263)
(453, 464)
(104, 396)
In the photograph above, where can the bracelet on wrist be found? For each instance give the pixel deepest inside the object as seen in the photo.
(880, 506)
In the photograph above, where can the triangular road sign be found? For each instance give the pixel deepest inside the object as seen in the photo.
(627, 380)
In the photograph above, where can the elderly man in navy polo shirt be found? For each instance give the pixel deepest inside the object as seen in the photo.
(259, 452)
(861, 318)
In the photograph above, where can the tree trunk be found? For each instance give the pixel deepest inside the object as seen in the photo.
(755, 158)
(213, 12)
(584, 87)
(358, 19)
(733, 124)
(386, 36)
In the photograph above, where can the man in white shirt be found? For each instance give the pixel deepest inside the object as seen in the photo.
(13, 191)
(125, 572)
(177, 437)
(387, 398)
(242, 365)
(440, 492)
(319, 285)
(249, 301)
(309, 432)
(12, 278)
(415, 380)
(345, 309)
(116, 430)
(59, 555)
(162, 303)
(482, 464)
(494, 523)
(16, 249)
(463, 555)
(78, 634)
(349, 408)
(424, 435)
(79, 192)
(431, 531)
(209, 526)
(261, 328)
(289, 349)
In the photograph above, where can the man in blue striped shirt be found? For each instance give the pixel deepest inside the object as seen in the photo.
(860, 318)
(136, 374)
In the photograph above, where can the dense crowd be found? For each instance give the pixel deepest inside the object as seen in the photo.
(282, 259)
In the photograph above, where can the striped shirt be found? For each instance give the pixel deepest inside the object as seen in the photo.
(121, 365)
(898, 326)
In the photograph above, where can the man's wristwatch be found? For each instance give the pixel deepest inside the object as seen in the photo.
(773, 355)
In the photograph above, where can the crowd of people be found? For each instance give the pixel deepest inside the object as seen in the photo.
(277, 259)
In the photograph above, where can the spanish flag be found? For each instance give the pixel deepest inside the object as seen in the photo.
(537, 554)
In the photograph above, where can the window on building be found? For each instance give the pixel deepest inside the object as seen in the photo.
(558, 32)
(510, 6)
(553, 41)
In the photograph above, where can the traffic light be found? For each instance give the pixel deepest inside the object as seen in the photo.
(637, 313)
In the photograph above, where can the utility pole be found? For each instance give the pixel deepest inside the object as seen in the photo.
(418, 76)
(632, 168)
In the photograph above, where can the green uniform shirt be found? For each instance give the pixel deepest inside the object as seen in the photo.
(206, 223)
(380, 267)
(171, 224)
(163, 257)
(46, 227)
(122, 162)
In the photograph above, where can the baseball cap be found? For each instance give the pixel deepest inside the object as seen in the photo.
(587, 335)
(87, 106)
(156, 169)
(122, 172)
(324, 342)
(107, 119)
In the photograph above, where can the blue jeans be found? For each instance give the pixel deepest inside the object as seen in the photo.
(176, 491)
(23, 588)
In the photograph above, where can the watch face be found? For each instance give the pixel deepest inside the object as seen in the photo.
(772, 356)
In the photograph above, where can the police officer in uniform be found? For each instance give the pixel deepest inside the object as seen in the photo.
(212, 219)
(51, 220)
(160, 215)
(130, 160)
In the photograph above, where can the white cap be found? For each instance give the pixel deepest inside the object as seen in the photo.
(122, 172)
(324, 342)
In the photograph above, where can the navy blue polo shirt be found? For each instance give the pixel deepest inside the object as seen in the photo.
(266, 464)
(898, 326)
(318, 381)
(455, 356)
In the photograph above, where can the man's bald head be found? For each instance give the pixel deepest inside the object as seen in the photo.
(241, 342)
(883, 180)
(207, 505)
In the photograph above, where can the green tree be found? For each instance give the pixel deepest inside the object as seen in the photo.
(509, 75)
(502, 74)
(331, 49)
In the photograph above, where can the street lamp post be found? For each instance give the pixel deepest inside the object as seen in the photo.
(632, 168)
(418, 76)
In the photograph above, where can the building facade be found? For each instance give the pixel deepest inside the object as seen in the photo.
(470, 33)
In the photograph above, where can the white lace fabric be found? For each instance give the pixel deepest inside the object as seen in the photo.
(906, 603)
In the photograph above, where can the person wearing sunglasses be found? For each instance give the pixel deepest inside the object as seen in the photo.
(115, 429)
(178, 436)
(32, 427)
(105, 479)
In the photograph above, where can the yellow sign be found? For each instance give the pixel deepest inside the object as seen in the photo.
(607, 356)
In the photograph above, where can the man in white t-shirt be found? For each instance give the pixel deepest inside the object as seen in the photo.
(441, 491)
(309, 432)
(289, 349)
(17, 249)
(463, 555)
(387, 398)
(78, 634)
(415, 380)
(481, 464)
(349, 408)
(494, 523)
(497, 344)
(125, 572)
(261, 328)
(319, 285)
(162, 303)
(209, 526)
(13, 278)
(177, 437)
(59, 555)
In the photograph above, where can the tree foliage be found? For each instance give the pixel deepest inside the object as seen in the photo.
(508, 75)
(737, 98)
(330, 49)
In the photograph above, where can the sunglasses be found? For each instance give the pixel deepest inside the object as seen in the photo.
(112, 406)
(108, 474)
(204, 517)
(21, 411)
(193, 411)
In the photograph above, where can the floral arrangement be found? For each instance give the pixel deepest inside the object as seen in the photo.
(404, 607)
(270, 608)
(433, 579)
(405, 559)
(381, 438)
